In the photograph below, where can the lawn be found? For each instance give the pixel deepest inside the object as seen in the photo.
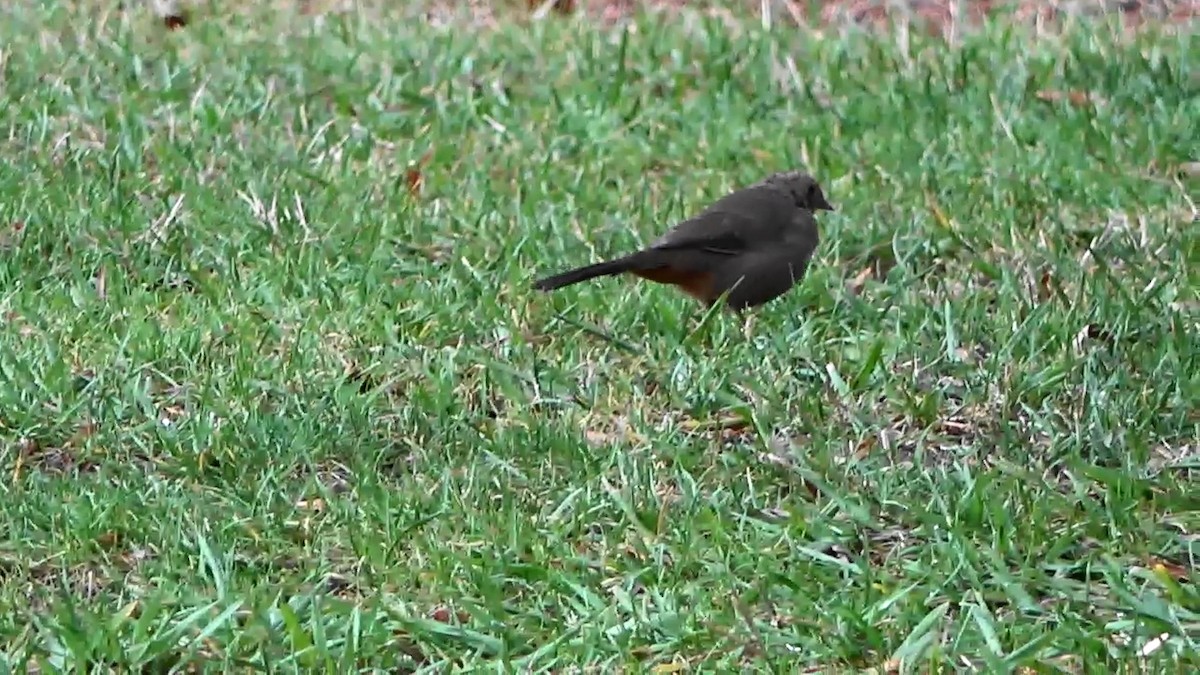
(275, 392)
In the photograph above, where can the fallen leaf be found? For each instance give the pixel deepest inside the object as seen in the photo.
(82, 433)
(596, 438)
(108, 540)
(936, 210)
(314, 505)
(415, 176)
(1074, 97)
(1047, 286)
(865, 448)
(1190, 169)
(728, 421)
(543, 7)
(1171, 569)
(858, 281)
(130, 611)
(889, 667)
(414, 179)
(603, 430)
(443, 614)
(172, 13)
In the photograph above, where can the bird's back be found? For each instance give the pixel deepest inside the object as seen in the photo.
(757, 215)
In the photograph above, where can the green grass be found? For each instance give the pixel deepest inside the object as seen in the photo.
(260, 407)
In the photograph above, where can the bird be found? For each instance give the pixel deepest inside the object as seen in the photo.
(751, 246)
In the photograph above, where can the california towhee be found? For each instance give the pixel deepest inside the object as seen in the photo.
(754, 243)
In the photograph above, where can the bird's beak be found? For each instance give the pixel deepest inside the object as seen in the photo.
(825, 205)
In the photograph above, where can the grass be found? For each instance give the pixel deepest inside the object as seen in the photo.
(264, 408)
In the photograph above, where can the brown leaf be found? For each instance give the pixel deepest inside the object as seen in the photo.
(723, 422)
(1074, 97)
(172, 13)
(83, 432)
(1172, 569)
(855, 285)
(762, 156)
(414, 179)
(109, 540)
(865, 447)
(596, 438)
(415, 176)
(935, 209)
(543, 6)
(1047, 286)
(443, 614)
(603, 431)
(133, 610)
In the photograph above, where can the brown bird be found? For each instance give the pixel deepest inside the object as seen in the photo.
(754, 243)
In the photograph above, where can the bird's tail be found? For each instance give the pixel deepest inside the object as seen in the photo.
(575, 276)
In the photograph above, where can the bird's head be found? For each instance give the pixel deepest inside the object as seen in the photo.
(804, 189)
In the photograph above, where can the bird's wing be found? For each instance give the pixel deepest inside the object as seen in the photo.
(721, 232)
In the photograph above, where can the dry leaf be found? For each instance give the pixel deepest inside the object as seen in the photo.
(109, 540)
(415, 176)
(762, 156)
(597, 438)
(728, 421)
(1075, 97)
(1047, 286)
(82, 433)
(443, 614)
(936, 209)
(858, 281)
(889, 667)
(132, 610)
(602, 430)
(172, 13)
(314, 505)
(414, 179)
(1173, 570)
(865, 448)
(543, 7)
(1190, 169)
